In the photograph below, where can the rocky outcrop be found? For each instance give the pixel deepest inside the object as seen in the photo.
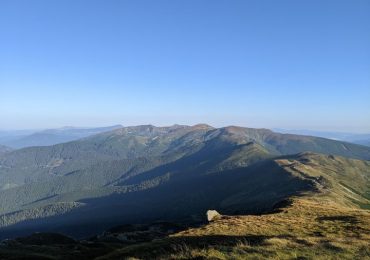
(213, 215)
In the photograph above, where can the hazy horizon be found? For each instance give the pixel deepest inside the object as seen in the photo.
(261, 64)
(275, 129)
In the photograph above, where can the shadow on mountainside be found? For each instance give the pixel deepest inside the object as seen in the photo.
(184, 197)
(185, 202)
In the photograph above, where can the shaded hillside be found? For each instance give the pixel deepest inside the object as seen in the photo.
(147, 173)
(322, 221)
(254, 189)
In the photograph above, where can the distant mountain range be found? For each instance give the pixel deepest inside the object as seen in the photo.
(363, 139)
(147, 173)
(26, 138)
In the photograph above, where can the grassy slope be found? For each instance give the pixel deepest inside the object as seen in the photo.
(343, 181)
(307, 229)
(324, 225)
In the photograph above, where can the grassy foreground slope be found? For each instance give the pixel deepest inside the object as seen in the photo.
(305, 230)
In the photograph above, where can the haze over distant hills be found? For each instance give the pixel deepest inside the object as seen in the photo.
(26, 138)
(147, 173)
(9, 135)
(363, 139)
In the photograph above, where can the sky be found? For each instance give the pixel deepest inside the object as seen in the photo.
(257, 63)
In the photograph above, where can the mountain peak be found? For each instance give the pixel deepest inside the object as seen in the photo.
(202, 127)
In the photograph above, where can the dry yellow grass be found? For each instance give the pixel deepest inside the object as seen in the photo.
(306, 230)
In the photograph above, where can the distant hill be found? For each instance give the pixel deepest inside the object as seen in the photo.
(146, 173)
(364, 142)
(50, 137)
(10, 135)
(363, 139)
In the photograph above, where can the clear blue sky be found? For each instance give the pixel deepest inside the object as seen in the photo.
(288, 64)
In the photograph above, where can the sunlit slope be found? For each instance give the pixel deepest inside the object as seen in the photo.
(338, 180)
(305, 230)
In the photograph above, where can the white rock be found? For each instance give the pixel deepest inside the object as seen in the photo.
(212, 215)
